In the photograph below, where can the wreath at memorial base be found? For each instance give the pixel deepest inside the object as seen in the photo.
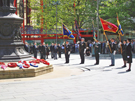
(34, 64)
(12, 65)
(26, 65)
(23, 64)
(44, 62)
(35, 61)
(2, 63)
(3, 66)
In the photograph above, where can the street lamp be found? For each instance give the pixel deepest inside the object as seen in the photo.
(98, 18)
(56, 3)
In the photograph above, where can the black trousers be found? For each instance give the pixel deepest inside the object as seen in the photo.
(67, 57)
(97, 58)
(35, 54)
(59, 53)
(82, 57)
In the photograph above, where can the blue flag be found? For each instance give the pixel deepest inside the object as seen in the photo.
(67, 32)
(120, 31)
(94, 33)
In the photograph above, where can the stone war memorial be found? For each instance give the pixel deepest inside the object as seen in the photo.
(11, 46)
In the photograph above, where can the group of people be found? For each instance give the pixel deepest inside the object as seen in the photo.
(125, 48)
(84, 48)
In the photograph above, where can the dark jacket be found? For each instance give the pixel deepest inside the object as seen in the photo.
(97, 48)
(67, 48)
(129, 53)
(82, 46)
(51, 48)
(35, 49)
(43, 49)
(55, 49)
(113, 47)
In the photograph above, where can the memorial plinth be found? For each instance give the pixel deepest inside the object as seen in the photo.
(11, 46)
(26, 72)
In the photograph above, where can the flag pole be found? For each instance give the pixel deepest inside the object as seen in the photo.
(120, 44)
(63, 38)
(107, 40)
(119, 34)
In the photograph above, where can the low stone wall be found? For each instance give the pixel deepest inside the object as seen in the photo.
(26, 72)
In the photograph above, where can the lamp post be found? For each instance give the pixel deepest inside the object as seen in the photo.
(98, 19)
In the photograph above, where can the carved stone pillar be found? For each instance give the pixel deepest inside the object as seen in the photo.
(11, 46)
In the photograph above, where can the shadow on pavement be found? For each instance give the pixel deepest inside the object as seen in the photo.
(122, 72)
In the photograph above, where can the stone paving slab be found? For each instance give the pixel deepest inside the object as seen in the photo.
(102, 83)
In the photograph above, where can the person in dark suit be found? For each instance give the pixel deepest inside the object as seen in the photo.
(52, 50)
(82, 49)
(59, 50)
(129, 54)
(124, 54)
(97, 51)
(35, 50)
(43, 51)
(55, 51)
(26, 47)
(47, 51)
(67, 52)
(112, 52)
(39, 48)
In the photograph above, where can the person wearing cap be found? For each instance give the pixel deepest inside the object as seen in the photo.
(97, 51)
(124, 54)
(67, 52)
(82, 49)
(129, 54)
(113, 51)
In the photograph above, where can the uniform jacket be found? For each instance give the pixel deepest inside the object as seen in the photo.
(82, 46)
(67, 48)
(113, 47)
(97, 48)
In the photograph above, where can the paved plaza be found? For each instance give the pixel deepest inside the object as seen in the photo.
(75, 82)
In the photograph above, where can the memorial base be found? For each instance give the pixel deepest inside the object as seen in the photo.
(26, 72)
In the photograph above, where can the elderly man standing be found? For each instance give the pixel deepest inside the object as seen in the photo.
(82, 49)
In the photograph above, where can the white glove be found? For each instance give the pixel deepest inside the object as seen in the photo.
(120, 43)
(99, 53)
(78, 42)
(63, 43)
(68, 53)
(128, 56)
(107, 42)
(114, 52)
(84, 51)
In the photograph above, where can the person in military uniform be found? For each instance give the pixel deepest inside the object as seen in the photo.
(97, 51)
(124, 56)
(67, 52)
(82, 49)
(43, 51)
(112, 52)
(129, 54)
(59, 50)
(35, 50)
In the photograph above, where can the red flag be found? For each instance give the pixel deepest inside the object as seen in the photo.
(107, 26)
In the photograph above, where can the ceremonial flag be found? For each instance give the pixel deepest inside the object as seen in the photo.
(77, 30)
(94, 33)
(67, 32)
(107, 26)
(120, 31)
